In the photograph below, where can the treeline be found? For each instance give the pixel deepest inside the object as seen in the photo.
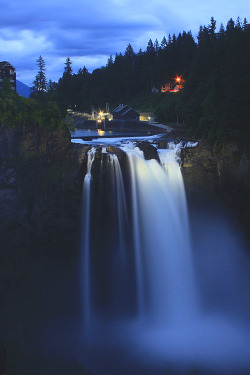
(216, 97)
(214, 70)
(126, 75)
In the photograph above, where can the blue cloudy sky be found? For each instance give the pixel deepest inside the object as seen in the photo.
(90, 31)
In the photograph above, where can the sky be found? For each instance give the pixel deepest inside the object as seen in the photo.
(89, 31)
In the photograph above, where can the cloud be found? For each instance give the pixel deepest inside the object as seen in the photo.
(88, 32)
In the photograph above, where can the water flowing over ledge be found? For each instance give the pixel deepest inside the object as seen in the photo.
(141, 287)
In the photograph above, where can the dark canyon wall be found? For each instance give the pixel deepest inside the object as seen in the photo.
(221, 173)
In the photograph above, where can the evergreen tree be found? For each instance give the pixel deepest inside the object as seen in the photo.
(230, 25)
(150, 47)
(238, 24)
(67, 69)
(156, 46)
(129, 52)
(244, 26)
(40, 82)
(110, 61)
(84, 70)
(222, 29)
(212, 27)
(164, 43)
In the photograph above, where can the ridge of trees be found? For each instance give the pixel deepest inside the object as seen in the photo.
(214, 102)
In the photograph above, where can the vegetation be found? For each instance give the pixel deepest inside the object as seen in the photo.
(214, 103)
(40, 83)
(214, 71)
(18, 111)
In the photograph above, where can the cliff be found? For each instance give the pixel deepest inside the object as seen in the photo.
(212, 172)
(38, 190)
(41, 175)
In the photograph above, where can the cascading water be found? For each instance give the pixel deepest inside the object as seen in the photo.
(141, 288)
(85, 242)
(159, 256)
(165, 275)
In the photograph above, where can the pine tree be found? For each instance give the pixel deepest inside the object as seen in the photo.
(164, 43)
(150, 47)
(84, 70)
(238, 24)
(110, 61)
(244, 26)
(67, 69)
(222, 29)
(230, 25)
(212, 27)
(156, 46)
(129, 52)
(40, 82)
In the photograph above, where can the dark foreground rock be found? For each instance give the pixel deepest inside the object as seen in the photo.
(3, 356)
(41, 175)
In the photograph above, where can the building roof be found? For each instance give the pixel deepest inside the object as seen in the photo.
(128, 110)
(121, 108)
(4, 64)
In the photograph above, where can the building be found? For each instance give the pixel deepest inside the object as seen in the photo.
(124, 112)
(7, 71)
(167, 87)
(173, 85)
(147, 116)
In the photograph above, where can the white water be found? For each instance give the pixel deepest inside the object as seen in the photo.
(187, 304)
(85, 241)
(164, 266)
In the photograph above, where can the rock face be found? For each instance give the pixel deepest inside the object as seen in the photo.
(38, 177)
(41, 175)
(219, 171)
(210, 167)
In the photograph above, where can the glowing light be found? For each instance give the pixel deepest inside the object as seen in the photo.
(100, 132)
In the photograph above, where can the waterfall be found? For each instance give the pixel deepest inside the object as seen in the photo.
(148, 306)
(164, 266)
(85, 240)
(143, 265)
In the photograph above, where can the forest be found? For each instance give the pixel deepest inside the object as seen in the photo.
(214, 73)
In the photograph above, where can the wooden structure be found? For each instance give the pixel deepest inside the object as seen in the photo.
(7, 71)
(124, 112)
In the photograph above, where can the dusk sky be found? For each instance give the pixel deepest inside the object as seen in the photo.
(90, 31)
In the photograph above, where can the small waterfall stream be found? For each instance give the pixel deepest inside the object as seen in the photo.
(85, 241)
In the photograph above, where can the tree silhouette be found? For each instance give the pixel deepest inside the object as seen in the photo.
(40, 82)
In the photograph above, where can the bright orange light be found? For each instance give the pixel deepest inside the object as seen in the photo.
(100, 132)
(178, 79)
